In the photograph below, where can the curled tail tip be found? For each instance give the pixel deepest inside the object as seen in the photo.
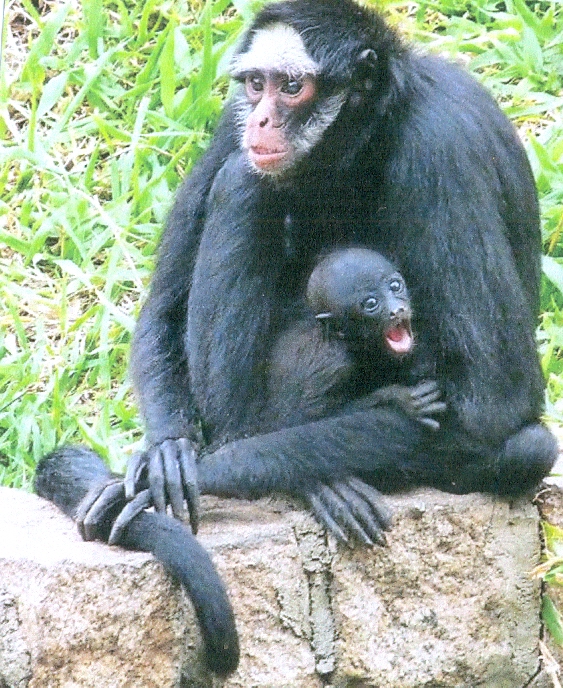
(224, 660)
(186, 560)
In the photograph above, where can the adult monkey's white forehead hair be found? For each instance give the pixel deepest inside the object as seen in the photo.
(275, 48)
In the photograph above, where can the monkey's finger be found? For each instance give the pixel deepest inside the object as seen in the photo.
(172, 477)
(363, 514)
(422, 401)
(141, 502)
(435, 407)
(92, 513)
(324, 518)
(84, 507)
(346, 513)
(92, 495)
(135, 466)
(375, 500)
(429, 423)
(156, 479)
(425, 387)
(188, 469)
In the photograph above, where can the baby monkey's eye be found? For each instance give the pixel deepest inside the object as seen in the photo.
(370, 304)
(395, 285)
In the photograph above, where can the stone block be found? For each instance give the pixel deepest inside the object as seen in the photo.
(449, 601)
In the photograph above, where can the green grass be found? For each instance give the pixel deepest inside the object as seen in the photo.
(104, 106)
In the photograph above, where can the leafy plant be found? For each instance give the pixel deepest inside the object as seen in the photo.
(102, 118)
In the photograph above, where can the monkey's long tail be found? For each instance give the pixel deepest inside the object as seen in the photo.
(67, 474)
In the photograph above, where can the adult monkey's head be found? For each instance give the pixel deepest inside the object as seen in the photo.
(314, 74)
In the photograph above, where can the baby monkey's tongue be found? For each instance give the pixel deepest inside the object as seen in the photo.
(399, 339)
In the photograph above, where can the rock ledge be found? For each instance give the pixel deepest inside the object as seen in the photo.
(449, 602)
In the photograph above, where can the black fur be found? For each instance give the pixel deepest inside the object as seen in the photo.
(423, 167)
(439, 182)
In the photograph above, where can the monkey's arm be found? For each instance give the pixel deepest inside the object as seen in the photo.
(218, 335)
(316, 461)
(309, 377)
(158, 361)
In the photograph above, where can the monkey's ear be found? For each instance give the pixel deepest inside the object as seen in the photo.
(367, 69)
(325, 321)
(368, 59)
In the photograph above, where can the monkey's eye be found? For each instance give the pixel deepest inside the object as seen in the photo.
(254, 84)
(395, 286)
(370, 304)
(291, 87)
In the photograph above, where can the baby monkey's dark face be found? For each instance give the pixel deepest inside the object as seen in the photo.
(359, 297)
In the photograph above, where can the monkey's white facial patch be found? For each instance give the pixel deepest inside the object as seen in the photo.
(277, 48)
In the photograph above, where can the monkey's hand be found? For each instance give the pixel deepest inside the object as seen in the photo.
(351, 511)
(104, 513)
(420, 402)
(168, 471)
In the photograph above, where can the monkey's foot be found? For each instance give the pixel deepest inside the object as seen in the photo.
(169, 469)
(352, 511)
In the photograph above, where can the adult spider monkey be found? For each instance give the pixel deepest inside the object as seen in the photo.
(348, 137)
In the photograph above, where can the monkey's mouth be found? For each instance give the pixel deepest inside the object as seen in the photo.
(398, 338)
(267, 159)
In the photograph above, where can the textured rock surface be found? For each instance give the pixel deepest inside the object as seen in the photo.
(449, 602)
(551, 507)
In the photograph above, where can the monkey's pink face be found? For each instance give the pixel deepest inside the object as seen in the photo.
(281, 114)
(275, 99)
